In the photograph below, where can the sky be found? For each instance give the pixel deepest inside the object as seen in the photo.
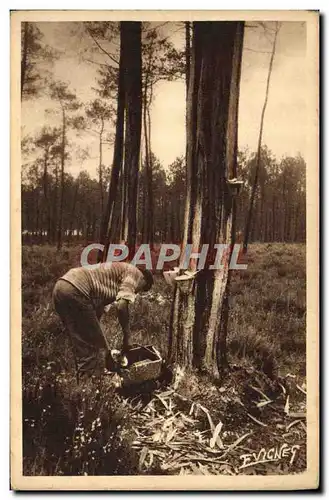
(285, 119)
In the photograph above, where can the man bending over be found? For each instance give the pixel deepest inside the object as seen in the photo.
(80, 297)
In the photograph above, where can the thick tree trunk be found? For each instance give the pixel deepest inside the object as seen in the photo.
(117, 157)
(133, 100)
(232, 171)
(211, 159)
(187, 53)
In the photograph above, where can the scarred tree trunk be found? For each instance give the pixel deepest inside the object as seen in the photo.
(211, 159)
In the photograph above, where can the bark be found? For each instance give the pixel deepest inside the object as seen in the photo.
(187, 52)
(232, 170)
(259, 147)
(133, 100)
(211, 158)
(117, 157)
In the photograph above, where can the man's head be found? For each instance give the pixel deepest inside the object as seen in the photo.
(146, 282)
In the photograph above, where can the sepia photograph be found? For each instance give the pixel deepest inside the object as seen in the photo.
(164, 250)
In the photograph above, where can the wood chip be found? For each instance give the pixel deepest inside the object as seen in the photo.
(283, 389)
(257, 421)
(162, 401)
(297, 414)
(171, 434)
(196, 469)
(166, 393)
(151, 458)
(295, 422)
(143, 456)
(303, 425)
(236, 443)
(211, 423)
(264, 403)
(203, 469)
(301, 390)
(260, 392)
(215, 437)
(187, 419)
(170, 420)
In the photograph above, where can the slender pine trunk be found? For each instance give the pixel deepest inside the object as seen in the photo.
(61, 206)
(259, 147)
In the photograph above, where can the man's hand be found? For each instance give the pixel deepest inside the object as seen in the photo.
(123, 317)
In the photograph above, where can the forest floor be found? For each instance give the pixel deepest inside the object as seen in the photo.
(253, 423)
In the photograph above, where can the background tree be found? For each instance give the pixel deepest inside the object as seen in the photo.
(45, 141)
(258, 158)
(33, 54)
(99, 113)
(161, 61)
(68, 103)
(129, 91)
(279, 204)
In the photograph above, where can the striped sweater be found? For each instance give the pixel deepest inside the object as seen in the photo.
(106, 283)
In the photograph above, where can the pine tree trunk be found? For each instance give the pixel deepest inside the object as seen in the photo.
(61, 206)
(72, 217)
(133, 91)
(117, 157)
(211, 160)
(149, 224)
(55, 208)
(46, 195)
(100, 165)
(259, 147)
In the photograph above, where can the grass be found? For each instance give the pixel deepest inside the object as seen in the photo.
(74, 430)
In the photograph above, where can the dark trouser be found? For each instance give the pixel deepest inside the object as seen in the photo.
(82, 322)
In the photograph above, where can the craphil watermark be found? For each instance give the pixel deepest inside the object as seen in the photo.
(213, 259)
(275, 454)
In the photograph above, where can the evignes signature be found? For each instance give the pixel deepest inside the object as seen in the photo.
(274, 454)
